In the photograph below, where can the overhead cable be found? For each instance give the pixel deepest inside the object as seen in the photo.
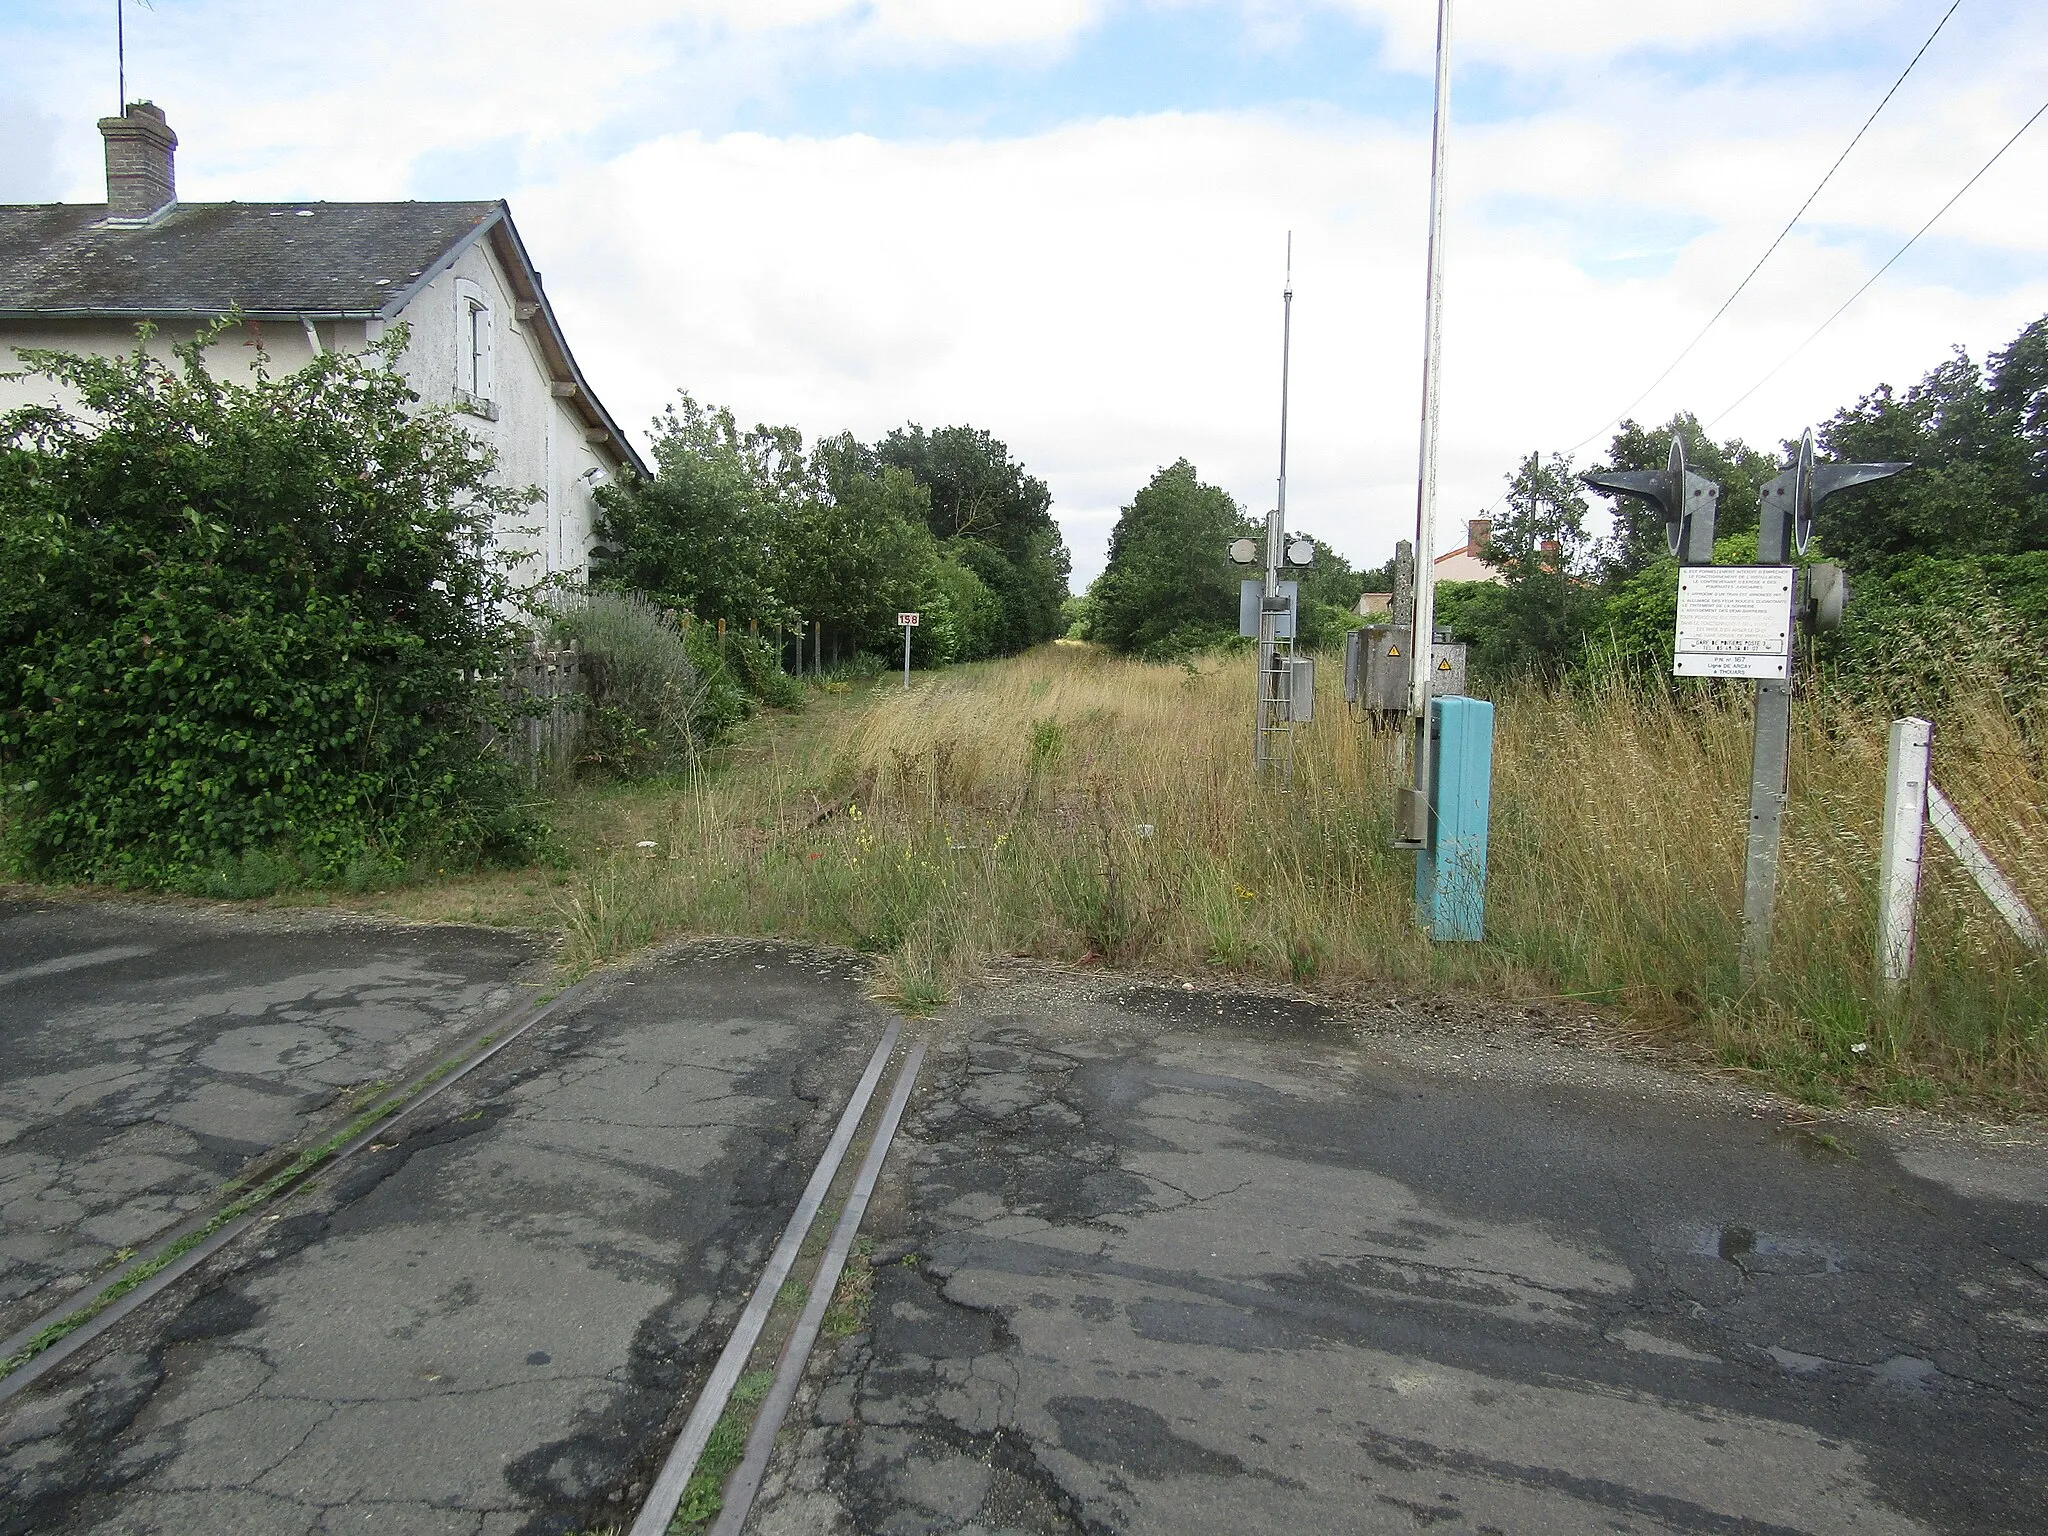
(1880, 272)
(1780, 240)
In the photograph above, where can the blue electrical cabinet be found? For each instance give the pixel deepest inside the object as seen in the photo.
(1450, 873)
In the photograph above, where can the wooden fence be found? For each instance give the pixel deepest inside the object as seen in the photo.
(548, 684)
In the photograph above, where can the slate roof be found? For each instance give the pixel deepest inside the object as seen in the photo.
(356, 259)
(317, 260)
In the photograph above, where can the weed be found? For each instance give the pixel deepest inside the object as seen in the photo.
(855, 1298)
(704, 1494)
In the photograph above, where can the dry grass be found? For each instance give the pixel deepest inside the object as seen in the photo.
(1074, 806)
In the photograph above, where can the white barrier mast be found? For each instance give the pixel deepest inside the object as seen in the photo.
(1411, 820)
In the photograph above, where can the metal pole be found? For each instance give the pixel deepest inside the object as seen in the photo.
(1769, 775)
(906, 657)
(1905, 828)
(1412, 820)
(1276, 527)
(1770, 764)
(1269, 690)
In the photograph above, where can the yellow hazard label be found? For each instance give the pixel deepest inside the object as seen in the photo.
(1443, 666)
(1393, 650)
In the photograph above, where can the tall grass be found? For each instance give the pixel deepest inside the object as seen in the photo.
(1072, 805)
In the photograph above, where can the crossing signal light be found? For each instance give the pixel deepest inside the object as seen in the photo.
(1686, 499)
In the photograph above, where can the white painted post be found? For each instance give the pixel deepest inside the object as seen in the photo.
(1905, 825)
(1411, 813)
(1991, 880)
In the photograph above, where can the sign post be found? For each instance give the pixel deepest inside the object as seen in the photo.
(909, 622)
(1784, 529)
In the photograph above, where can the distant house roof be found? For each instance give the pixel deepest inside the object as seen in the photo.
(310, 260)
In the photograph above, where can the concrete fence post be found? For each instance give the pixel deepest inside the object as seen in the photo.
(1905, 824)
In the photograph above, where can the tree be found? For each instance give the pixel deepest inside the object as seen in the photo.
(698, 536)
(1331, 581)
(1536, 619)
(854, 549)
(1169, 586)
(1978, 443)
(995, 517)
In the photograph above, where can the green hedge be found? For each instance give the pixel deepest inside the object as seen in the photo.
(247, 621)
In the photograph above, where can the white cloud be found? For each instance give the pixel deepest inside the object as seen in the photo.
(1520, 34)
(986, 23)
(1105, 297)
(28, 169)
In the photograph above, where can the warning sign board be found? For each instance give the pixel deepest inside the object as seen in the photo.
(1734, 621)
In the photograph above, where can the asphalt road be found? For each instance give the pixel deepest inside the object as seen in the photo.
(493, 1321)
(1159, 1262)
(1145, 1259)
(148, 1053)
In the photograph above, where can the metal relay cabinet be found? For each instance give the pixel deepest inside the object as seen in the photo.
(1376, 668)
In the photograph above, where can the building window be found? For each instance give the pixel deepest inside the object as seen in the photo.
(473, 336)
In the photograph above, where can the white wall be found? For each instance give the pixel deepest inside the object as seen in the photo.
(234, 355)
(538, 438)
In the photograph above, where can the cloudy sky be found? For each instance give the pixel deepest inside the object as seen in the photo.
(1064, 220)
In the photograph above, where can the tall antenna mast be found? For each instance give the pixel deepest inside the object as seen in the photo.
(121, 56)
(1273, 731)
(1278, 530)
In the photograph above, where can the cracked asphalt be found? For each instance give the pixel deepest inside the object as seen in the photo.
(152, 1052)
(1154, 1261)
(491, 1321)
(1143, 1259)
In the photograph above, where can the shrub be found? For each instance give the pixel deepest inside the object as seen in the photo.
(757, 667)
(1931, 629)
(1187, 639)
(247, 617)
(643, 692)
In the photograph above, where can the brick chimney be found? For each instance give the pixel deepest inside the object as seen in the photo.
(141, 153)
(1478, 534)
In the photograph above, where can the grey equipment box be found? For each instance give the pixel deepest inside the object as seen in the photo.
(1251, 593)
(1376, 668)
(1301, 689)
(1294, 689)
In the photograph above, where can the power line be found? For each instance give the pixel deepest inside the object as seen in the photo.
(1780, 240)
(1880, 272)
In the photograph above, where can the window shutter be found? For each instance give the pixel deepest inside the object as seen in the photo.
(465, 372)
(486, 374)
